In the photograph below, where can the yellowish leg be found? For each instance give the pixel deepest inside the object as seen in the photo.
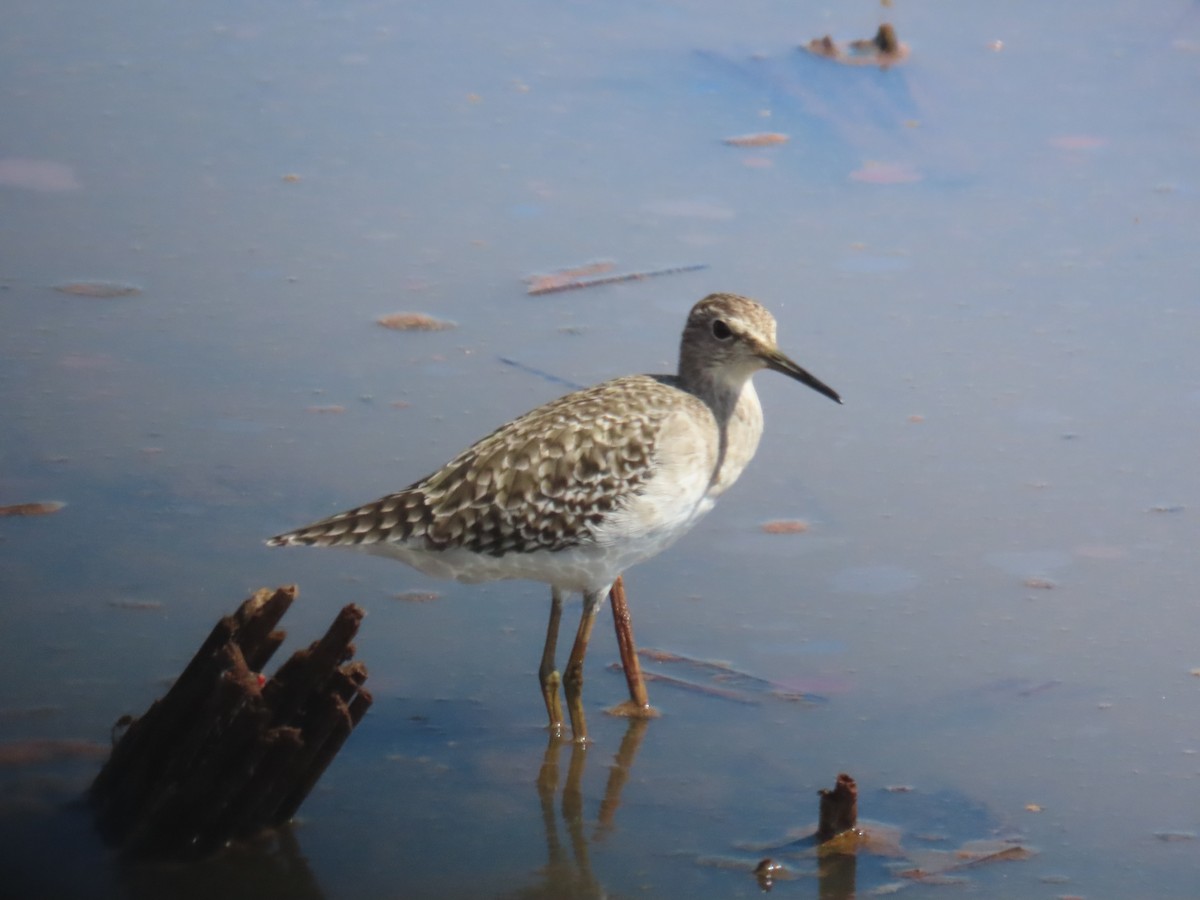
(572, 680)
(547, 673)
(638, 705)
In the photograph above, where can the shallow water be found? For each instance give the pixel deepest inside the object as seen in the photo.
(994, 602)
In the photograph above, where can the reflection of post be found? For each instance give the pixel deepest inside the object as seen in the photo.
(619, 774)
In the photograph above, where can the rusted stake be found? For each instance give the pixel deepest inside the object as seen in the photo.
(839, 809)
(227, 753)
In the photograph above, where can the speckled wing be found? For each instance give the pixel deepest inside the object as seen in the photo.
(544, 481)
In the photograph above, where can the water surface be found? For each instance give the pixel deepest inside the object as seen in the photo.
(994, 601)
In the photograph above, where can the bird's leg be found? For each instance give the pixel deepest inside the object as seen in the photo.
(573, 677)
(638, 705)
(547, 673)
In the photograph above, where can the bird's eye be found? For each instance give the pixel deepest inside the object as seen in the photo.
(720, 330)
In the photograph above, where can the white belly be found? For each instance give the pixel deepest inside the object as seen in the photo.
(592, 567)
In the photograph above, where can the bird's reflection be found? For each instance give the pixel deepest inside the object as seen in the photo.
(568, 870)
(618, 774)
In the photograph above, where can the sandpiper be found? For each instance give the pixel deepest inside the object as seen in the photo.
(580, 489)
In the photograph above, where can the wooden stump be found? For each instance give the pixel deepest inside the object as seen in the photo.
(839, 809)
(227, 753)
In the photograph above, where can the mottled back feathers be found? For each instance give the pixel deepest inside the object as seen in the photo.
(544, 481)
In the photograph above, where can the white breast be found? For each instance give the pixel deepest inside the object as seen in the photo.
(696, 461)
(742, 433)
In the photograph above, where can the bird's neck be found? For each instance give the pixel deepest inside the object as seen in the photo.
(735, 406)
(724, 390)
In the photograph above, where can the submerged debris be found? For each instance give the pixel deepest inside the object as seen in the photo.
(1175, 836)
(418, 596)
(722, 681)
(1039, 583)
(823, 46)
(414, 321)
(566, 280)
(561, 278)
(935, 864)
(766, 872)
(760, 139)
(885, 41)
(883, 50)
(32, 509)
(785, 526)
(101, 289)
(707, 690)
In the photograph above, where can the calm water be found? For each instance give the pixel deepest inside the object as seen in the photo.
(989, 251)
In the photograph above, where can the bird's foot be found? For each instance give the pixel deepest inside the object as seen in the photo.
(631, 710)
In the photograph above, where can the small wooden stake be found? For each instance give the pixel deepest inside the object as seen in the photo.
(839, 809)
